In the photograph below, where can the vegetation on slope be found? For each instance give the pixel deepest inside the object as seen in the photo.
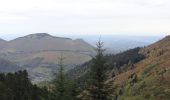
(63, 88)
(150, 79)
(17, 86)
(115, 63)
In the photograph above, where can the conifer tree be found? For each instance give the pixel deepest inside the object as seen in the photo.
(60, 82)
(17, 86)
(73, 90)
(98, 89)
(65, 89)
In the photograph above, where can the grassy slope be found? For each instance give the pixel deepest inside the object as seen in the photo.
(153, 75)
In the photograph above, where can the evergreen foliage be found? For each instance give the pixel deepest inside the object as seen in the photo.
(125, 57)
(98, 89)
(17, 86)
(64, 88)
(113, 61)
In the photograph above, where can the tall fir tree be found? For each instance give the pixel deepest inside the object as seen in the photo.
(65, 89)
(99, 90)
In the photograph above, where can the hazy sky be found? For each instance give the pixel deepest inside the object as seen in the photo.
(130, 17)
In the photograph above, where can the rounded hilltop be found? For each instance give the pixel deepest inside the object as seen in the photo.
(42, 35)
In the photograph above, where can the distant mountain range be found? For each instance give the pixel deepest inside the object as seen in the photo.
(119, 43)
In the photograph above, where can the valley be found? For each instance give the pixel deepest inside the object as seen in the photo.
(85, 50)
(140, 73)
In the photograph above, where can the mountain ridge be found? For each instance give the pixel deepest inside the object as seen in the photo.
(39, 53)
(42, 35)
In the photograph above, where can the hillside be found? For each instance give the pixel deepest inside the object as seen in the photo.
(149, 80)
(115, 64)
(136, 74)
(7, 66)
(39, 53)
(157, 54)
(2, 43)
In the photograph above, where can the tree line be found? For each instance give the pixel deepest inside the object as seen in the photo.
(17, 86)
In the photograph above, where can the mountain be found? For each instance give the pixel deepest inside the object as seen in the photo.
(46, 42)
(2, 43)
(39, 53)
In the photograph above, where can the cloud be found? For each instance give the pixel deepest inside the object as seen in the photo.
(85, 16)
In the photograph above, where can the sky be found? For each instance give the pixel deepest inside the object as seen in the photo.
(84, 17)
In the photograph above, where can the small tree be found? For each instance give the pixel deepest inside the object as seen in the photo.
(131, 65)
(65, 89)
(60, 82)
(99, 90)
